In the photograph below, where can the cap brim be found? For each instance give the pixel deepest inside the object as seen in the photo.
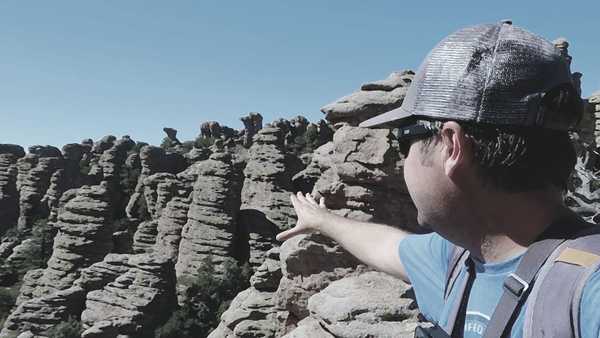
(393, 116)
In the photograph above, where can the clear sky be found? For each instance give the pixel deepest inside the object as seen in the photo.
(71, 70)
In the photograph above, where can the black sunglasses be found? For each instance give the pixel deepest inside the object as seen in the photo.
(408, 135)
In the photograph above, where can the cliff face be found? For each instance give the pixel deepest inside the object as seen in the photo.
(114, 232)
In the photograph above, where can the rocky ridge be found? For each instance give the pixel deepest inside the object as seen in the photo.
(134, 223)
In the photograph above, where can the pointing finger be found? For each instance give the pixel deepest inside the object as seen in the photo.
(285, 235)
(310, 199)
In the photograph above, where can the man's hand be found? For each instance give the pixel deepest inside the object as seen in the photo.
(373, 244)
(310, 215)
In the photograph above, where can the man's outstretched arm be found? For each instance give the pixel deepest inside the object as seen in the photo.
(374, 244)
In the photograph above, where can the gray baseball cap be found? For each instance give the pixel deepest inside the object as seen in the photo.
(492, 73)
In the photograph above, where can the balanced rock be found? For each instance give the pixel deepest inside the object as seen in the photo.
(172, 136)
(373, 99)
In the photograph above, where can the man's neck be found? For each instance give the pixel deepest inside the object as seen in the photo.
(506, 224)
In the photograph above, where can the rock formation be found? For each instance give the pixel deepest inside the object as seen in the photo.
(252, 124)
(594, 112)
(309, 263)
(372, 304)
(266, 208)
(172, 136)
(373, 99)
(153, 160)
(252, 312)
(35, 172)
(84, 237)
(9, 196)
(211, 227)
(365, 180)
(169, 227)
(135, 302)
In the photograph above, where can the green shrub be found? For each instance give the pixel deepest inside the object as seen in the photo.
(204, 142)
(71, 328)
(188, 145)
(167, 143)
(208, 296)
(138, 145)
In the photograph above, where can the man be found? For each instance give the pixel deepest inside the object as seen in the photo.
(484, 131)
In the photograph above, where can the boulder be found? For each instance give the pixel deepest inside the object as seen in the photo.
(372, 304)
(373, 99)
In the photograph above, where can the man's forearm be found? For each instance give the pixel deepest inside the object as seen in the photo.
(374, 244)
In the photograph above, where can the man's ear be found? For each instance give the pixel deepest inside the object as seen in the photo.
(456, 149)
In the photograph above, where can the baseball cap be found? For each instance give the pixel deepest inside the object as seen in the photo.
(491, 73)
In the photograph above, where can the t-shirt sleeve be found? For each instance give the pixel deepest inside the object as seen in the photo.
(425, 258)
(589, 318)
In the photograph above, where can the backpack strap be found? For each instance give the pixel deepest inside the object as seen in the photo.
(458, 259)
(516, 287)
(564, 276)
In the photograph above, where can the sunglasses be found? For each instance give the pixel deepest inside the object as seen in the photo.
(408, 135)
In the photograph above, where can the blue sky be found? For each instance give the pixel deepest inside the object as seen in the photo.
(71, 70)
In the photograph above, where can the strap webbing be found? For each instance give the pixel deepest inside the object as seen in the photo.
(516, 286)
(456, 318)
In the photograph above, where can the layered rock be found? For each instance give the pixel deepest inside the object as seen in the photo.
(372, 304)
(84, 237)
(140, 298)
(252, 312)
(365, 180)
(38, 315)
(58, 184)
(158, 190)
(594, 111)
(93, 168)
(9, 196)
(360, 176)
(170, 224)
(373, 99)
(35, 172)
(266, 208)
(211, 227)
(309, 263)
(153, 160)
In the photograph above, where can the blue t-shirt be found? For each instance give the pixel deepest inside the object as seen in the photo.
(426, 259)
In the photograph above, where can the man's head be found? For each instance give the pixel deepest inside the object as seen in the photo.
(492, 104)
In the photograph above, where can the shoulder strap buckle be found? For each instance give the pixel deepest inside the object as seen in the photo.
(516, 285)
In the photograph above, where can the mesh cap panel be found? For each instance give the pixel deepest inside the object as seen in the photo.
(491, 73)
